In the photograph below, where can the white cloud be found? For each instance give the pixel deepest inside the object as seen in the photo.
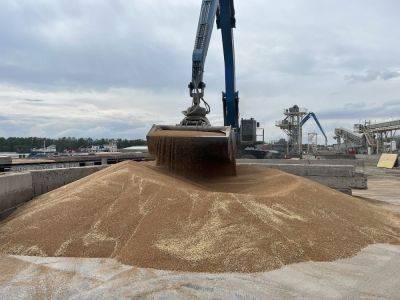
(112, 68)
(127, 113)
(371, 75)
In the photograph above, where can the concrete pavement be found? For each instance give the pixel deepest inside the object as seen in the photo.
(372, 274)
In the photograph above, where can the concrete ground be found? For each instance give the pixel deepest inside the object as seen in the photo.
(383, 186)
(372, 274)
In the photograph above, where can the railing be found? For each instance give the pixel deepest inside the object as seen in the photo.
(301, 110)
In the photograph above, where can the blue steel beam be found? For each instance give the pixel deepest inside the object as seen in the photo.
(225, 12)
(226, 22)
(202, 42)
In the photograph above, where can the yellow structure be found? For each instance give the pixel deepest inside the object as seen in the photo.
(387, 161)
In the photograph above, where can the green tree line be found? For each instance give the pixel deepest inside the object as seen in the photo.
(25, 144)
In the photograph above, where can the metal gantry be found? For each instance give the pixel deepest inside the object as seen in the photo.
(377, 134)
(347, 139)
(292, 125)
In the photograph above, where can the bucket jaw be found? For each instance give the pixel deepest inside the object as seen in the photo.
(194, 151)
(195, 116)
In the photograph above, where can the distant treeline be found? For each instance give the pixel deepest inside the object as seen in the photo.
(24, 145)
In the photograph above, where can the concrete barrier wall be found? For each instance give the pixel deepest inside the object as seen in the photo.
(334, 162)
(314, 170)
(339, 177)
(17, 188)
(44, 181)
(369, 160)
(21, 187)
(31, 167)
(342, 184)
(358, 181)
(310, 170)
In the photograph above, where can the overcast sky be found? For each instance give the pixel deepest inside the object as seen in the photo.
(112, 68)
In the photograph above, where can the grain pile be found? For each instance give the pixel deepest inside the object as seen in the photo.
(260, 220)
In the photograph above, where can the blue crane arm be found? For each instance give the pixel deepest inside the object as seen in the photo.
(224, 11)
(307, 117)
(230, 98)
(201, 45)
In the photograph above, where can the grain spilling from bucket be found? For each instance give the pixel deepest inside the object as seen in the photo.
(193, 153)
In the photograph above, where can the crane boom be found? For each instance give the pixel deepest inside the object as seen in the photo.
(230, 99)
(201, 45)
(313, 115)
(224, 11)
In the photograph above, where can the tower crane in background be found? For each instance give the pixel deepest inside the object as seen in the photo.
(292, 124)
